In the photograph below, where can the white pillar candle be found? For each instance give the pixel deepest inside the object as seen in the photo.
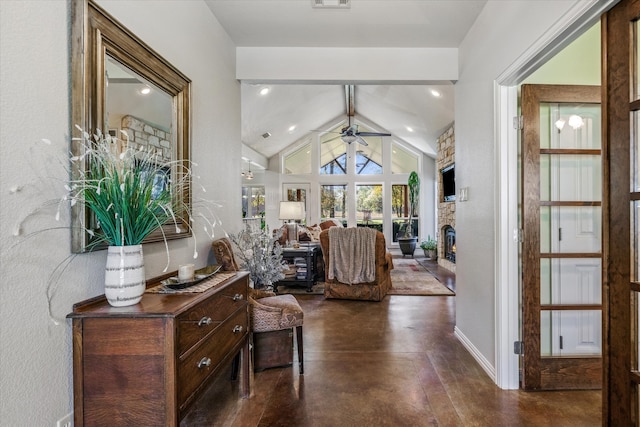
(186, 272)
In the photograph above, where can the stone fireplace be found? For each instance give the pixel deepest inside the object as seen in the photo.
(446, 209)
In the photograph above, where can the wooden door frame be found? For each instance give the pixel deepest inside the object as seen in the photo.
(619, 400)
(507, 298)
(544, 373)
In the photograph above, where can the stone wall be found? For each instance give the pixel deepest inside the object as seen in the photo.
(142, 134)
(446, 210)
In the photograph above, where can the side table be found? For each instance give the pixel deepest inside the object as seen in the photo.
(310, 265)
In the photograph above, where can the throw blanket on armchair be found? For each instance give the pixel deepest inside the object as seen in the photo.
(352, 254)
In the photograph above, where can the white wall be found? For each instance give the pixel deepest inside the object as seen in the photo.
(499, 36)
(35, 349)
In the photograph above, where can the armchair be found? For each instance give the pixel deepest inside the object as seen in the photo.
(372, 291)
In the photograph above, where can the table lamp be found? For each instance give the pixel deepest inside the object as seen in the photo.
(292, 211)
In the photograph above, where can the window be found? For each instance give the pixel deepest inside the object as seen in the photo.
(299, 161)
(369, 206)
(333, 202)
(252, 202)
(400, 210)
(333, 154)
(369, 157)
(402, 160)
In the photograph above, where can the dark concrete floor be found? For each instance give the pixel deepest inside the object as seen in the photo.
(393, 363)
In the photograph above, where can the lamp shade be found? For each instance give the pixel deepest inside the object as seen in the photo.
(292, 210)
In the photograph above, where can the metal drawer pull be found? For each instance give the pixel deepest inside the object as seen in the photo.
(205, 321)
(237, 329)
(204, 362)
(238, 297)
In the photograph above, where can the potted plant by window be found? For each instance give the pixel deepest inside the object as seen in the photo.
(430, 248)
(406, 239)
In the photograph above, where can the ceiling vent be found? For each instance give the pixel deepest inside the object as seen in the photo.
(266, 135)
(331, 4)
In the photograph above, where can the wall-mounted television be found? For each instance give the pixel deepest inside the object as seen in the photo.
(449, 183)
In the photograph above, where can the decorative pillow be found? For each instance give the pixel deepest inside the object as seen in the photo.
(314, 232)
(330, 223)
(284, 236)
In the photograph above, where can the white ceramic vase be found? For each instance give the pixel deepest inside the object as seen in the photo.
(124, 281)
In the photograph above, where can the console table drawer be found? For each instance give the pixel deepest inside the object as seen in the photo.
(196, 323)
(195, 367)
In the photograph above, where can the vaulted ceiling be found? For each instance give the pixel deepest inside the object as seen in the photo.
(416, 114)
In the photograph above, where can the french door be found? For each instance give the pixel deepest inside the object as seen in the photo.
(562, 228)
(621, 212)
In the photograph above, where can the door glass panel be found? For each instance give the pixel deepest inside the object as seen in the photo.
(636, 73)
(570, 126)
(369, 206)
(570, 229)
(571, 333)
(570, 177)
(573, 281)
(635, 152)
(635, 241)
(545, 229)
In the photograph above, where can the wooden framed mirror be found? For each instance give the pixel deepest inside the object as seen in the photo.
(109, 68)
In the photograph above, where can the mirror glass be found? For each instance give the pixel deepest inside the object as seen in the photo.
(121, 84)
(133, 103)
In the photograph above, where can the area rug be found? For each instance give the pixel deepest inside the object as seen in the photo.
(408, 278)
(411, 278)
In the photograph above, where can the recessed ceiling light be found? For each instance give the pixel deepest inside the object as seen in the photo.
(264, 91)
(145, 90)
(409, 128)
(435, 93)
(292, 128)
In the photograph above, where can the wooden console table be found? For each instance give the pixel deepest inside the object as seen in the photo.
(146, 364)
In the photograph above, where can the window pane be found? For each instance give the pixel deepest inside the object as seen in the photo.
(570, 333)
(400, 210)
(570, 229)
(252, 202)
(570, 126)
(369, 206)
(570, 177)
(333, 202)
(402, 161)
(298, 162)
(333, 154)
(369, 157)
(571, 281)
(635, 152)
(636, 74)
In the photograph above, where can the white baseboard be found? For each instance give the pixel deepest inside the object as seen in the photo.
(482, 361)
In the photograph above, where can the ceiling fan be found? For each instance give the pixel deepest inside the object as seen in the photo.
(350, 133)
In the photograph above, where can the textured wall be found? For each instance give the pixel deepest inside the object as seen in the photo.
(35, 348)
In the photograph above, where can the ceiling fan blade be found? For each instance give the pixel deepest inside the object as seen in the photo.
(372, 134)
(332, 139)
(324, 131)
(360, 140)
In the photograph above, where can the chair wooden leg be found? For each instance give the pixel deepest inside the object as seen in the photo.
(300, 348)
